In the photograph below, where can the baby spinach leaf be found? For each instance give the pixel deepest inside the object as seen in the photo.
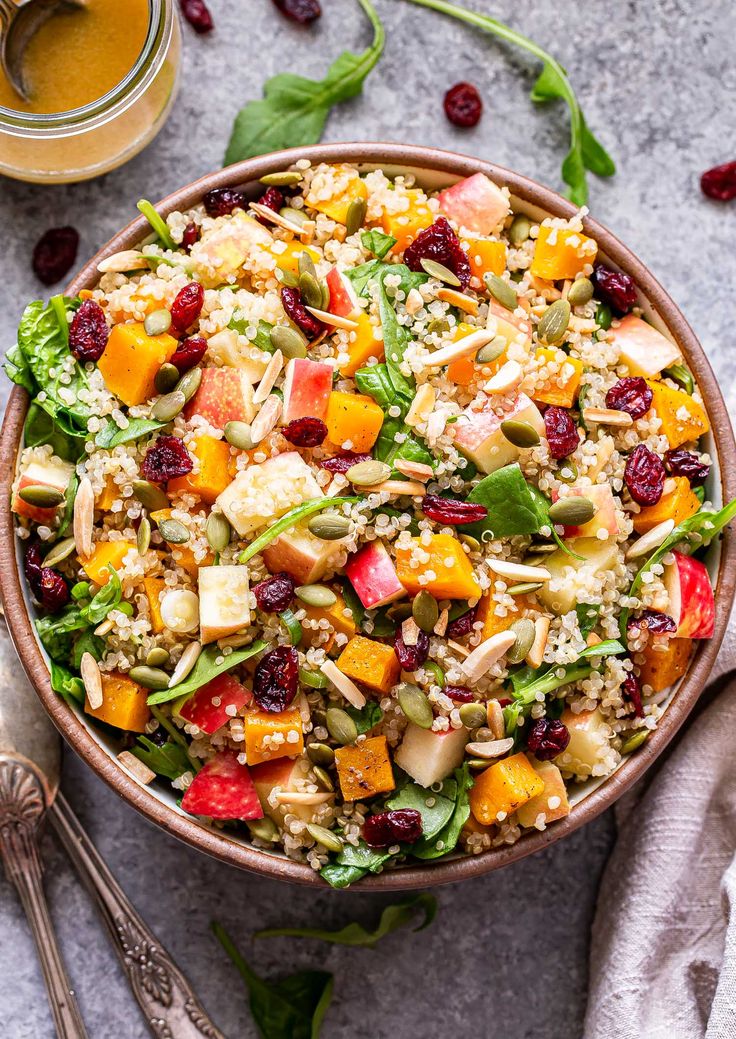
(377, 242)
(366, 717)
(340, 876)
(169, 760)
(435, 814)
(374, 381)
(587, 614)
(512, 507)
(40, 428)
(371, 860)
(111, 435)
(18, 370)
(393, 917)
(361, 276)
(262, 338)
(294, 109)
(353, 603)
(290, 519)
(87, 642)
(206, 669)
(543, 504)
(106, 599)
(293, 1008)
(446, 840)
(395, 341)
(56, 629)
(66, 684)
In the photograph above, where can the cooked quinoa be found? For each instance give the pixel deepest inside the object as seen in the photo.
(350, 516)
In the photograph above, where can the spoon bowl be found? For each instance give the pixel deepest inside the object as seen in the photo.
(20, 20)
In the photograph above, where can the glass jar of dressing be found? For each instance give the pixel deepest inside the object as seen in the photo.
(101, 80)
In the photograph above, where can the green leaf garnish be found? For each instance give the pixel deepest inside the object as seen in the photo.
(111, 435)
(377, 242)
(106, 599)
(169, 760)
(290, 519)
(206, 669)
(512, 507)
(158, 224)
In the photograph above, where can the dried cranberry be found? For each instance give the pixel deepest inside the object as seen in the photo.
(190, 236)
(88, 332)
(680, 462)
(439, 242)
(197, 14)
(222, 201)
(654, 621)
(400, 826)
(451, 512)
(644, 475)
(305, 432)
(189, 352)
(187, 306)
(32, 565)
(458, 694)
(341, 463)
(275, 593)
(631, 692)
(547, 738)
(463, 104)
(615, 288)
(412, 657)
(54, 254)
(53, 591)
(276, 679)
(273, 199)
(561, 432)
(720, 182)
(302, 11)
(631, 395)
(461, 626)
(291, 301)
(165, 459)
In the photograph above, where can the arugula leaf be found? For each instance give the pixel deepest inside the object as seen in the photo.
(66, 684)
(158, 224)
(40, 428)
(294, 109)
(586, 152)
(111, 435)
(206, 669)
(366, 717)
(392, 918)
(445, 842)
(377, 242)
(106, 599)
(512, 507)
(290, 519)
(169, 760)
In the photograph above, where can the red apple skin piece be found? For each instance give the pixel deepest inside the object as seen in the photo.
(343, 300)
(373, 576)
(199, 709)
(474, 203)
(692, 603)
(51, 475)
(223, 789)
(223, 396)
(307, 388)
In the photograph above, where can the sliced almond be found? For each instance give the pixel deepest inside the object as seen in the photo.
(103, 629)
(272, 217)
(442, 621)
(469, 304)
(487, 653)
(651, 540)
(456, 647)
(422, 405)
(494, 716)
(535, 656)
(269, 377)
(266, 419)
(397, 487)
(89, 669)
(84, 516)
(489, 748)
(410, 632)
(469, 344)
(296, 797)
(186, 663)
(414, 301)
(345, 685)
(669, 486)
(136, 767)
(519, 571)
(607, 417)
(334, 319)
(508, 377)
(120, 263)
(416, 470)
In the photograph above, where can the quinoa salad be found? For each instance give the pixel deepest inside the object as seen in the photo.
(369, 520)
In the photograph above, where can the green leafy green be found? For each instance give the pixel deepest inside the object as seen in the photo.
(393, 917)
(294, 109)
(290, 519)
(56, 631)
(86, 642)
(586, 152)
(377, 242)
(262, 338)
(446, 840)
(395, 341)
(67, 685)
(67, 516)
(512, 506)
(106, 599)
(435, 808)
(169, 760)
(207, 668)
(290, 1009)
(543, 504)
(158, 224)
(40, 428)
(680, 374)
(111, 435)
(587, 614)
(365, 718)
(353, 603)
(374, 382)
(340, 875)
(361, 276)
(18, 370)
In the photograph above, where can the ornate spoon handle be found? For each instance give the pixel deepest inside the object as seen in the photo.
(22, 807)
(171, 1009)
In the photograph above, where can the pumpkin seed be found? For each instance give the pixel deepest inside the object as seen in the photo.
(189, 383)
(288, 341)
(355, 215)
(149, 495)
(282, 179)
(41, 496)
(324, 782)
(294, 216)
(326, 297)
(572, 511)
(305, 264)
(341, 726)
(635, 741)
(368, 474)
(217, 532)
(173, 532)
(59, 552)
(143, 537)
(519, 231)
(330, 526)
(438, 324)
(157, 657)
(581, 292)
(415, 705)
(264, 829)
(569, 472)
(316, 595)
(239, 435)
(520, 434)
(491, 351)
(313, 680)
(554, 322)
(157, 322)
(149, 677)
(477, 764)
(524, 631)
(287, 278)
(522, 589)
(425, 611)
(472, 715)
(472, 543)
(439, 271)
(501, 291)
(168, 407)
(310, 289)
(325, 837)
(320, 754)
(166, 378)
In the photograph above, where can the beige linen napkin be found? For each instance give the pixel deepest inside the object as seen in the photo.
(663, 953)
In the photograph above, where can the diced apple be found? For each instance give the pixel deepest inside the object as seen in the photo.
(207, 708)
(307, 388)
(223, 248)
(552, 803)
(372, 573)
(224, 395)
(589, 742)
(692, 605)
(261, 493)
(225, 349)
(604, 518)
(428, 756)
(571, 575)
(478, 433)
(52, 473)
(224, 594)
(223, 790)
(513, 327)
(475, 203)
(301, 554)
(343, 300)
(287, 774)
(643, 349)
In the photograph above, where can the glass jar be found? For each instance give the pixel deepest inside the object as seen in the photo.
(88, 141)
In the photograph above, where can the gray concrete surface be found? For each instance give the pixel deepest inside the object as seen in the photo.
(508, 953)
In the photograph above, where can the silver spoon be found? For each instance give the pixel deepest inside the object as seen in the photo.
(19, 21)
(29, 788)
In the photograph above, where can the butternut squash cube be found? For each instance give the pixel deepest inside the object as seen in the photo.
(108, 496)
(663, 665)
(288, 258)
(131, 360)
(682, 417)
(501, 789)
(269, 735)
(371, 663)
(364, 769)
(183, 556)
(123, 703)
(153, 587)
(441, 568)
(213, 473)
(462, 370)
(561, 253)
(336, 616)
(363, 347)
(351, 188)
(494, 624)
(562, 388)
(406, 225)
(552, 803)
(485, 256)
(354, 419)
(677, 505)
(106, 553)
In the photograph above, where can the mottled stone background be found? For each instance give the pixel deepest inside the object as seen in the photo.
(507, 955)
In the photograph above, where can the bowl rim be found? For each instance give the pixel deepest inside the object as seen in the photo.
(219, 843)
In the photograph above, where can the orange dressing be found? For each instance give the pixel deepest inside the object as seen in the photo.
(77, 56)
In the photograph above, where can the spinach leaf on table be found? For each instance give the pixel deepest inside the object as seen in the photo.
(206, 669)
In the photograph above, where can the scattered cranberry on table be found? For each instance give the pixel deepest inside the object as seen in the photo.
(198, 15)
(54, 254)
(720, 182)
(301, 11)
(463, 105)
